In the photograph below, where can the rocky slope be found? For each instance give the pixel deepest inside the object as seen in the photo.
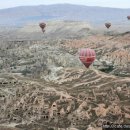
(79, 98)
(54, 30)
(112, 52)
(29, 56)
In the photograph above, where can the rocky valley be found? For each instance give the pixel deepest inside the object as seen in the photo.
(44, 85)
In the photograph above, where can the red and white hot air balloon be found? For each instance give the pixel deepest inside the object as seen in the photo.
(87, 56)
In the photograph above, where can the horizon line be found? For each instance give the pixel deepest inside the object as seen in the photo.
(61, 4)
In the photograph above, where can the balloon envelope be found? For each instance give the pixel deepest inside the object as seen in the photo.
(42, 25)
(128, 17)
(108, 25)
(87, 56)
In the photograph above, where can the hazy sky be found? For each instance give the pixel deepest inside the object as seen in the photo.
(104, 3)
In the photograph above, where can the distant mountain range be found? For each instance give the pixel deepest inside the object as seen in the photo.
(32, 14)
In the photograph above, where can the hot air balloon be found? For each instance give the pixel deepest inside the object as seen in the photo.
(87, 56)
(128, 17)
(42, 26)
(108, 25)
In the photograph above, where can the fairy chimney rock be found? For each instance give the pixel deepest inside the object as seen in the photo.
(62, 111)
(54, 106)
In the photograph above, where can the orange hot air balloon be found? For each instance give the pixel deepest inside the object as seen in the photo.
(87, 56)
(128, 17)
(108, 25)
(42, 26)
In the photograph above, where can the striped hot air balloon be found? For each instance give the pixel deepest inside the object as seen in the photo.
(87, 56)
